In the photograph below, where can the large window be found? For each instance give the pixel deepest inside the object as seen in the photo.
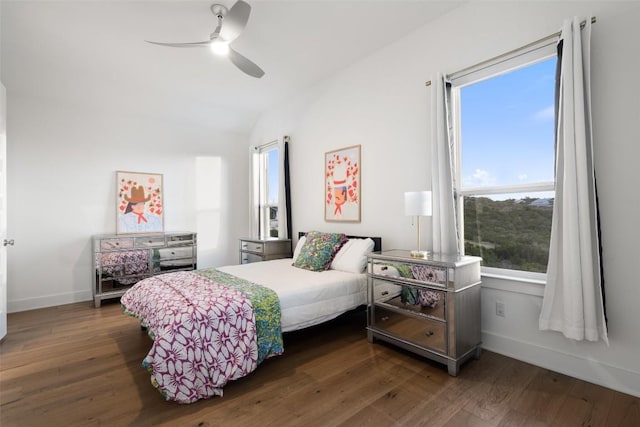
(504, 128)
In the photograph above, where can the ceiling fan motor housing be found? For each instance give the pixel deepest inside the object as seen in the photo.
(219, 10)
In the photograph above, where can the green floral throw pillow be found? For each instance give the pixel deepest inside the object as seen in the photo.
(318, 250)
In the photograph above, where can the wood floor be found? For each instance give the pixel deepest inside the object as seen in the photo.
(75, 365)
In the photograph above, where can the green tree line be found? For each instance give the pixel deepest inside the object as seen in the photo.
(511, 233)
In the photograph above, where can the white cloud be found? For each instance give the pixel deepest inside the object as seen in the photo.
(522, 176)
(545, 115)
(480, 178)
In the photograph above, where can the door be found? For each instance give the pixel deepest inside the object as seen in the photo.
(3, 212)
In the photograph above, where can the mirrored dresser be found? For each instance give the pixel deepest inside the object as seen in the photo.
(120, 261)
(429, 306)
(256, 250)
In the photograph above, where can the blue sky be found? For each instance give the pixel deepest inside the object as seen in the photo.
(507, 128)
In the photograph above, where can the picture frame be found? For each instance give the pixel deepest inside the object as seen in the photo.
(139, 203)
(342, 181)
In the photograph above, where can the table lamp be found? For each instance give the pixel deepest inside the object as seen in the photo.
(418, 203)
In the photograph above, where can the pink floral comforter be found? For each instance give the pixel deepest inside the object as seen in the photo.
(205, 333)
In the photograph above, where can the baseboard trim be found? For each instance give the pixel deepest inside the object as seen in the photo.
(593, 371)
(24, 304)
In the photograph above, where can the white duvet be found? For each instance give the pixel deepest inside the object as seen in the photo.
(306, 297)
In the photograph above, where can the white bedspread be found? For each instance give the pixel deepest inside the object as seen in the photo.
(306, 297)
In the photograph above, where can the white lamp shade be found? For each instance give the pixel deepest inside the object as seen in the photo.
(417, 203)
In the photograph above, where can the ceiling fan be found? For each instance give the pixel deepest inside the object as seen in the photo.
(231, 22)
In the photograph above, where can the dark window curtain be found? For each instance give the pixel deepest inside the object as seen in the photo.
(287, 189)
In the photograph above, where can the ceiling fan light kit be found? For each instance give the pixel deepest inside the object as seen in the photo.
(219, 48)
(231, 23)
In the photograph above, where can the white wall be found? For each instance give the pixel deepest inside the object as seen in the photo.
(61, 190)
(382, 103)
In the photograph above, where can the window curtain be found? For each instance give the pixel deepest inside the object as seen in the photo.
(254, 192)
(573, 301)
(284, 191)
(444, 220)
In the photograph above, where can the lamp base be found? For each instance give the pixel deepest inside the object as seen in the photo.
(420, 254)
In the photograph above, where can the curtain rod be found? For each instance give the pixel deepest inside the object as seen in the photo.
(495, 58)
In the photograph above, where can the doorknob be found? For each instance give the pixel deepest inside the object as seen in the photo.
(7, 242)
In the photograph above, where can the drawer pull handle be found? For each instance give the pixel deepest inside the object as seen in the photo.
(385, 293)
(384, 318)
(258, 248)
(429, 333)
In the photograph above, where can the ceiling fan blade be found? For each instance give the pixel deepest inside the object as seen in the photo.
(245, 64)
(193, 44)
(235, 20)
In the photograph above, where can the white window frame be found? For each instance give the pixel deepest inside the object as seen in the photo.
(261, 208)
(528, 55)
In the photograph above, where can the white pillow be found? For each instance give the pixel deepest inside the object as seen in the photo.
(299, 246)
(352, 256)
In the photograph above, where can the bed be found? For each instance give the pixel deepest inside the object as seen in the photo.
(215, 325)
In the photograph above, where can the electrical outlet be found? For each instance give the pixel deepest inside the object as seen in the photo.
(500, 309)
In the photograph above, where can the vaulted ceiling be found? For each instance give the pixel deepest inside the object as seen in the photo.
(93, 52)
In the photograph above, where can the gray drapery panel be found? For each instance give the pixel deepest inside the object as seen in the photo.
(573, 300)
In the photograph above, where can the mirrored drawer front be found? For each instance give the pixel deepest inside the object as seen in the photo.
(247, 258)
(414, 272)
(420, 331)
(150, 242)
(176, 253)
(112, 244)
(180, 239)
(252, 246)
(424, 302)
(384, 290)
